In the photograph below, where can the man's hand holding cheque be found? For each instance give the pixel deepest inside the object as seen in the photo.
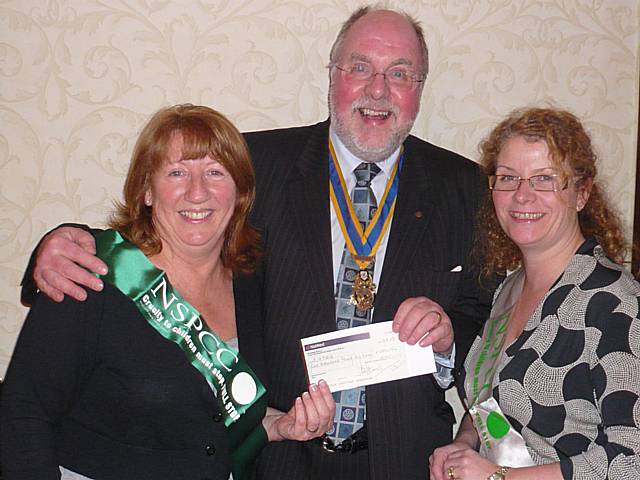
(421, 319)
(382, 351)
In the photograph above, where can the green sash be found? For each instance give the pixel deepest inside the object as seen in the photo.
(499, 441)
(239, 392)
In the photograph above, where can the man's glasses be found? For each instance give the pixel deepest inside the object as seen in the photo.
(398, 77)
(540, 183)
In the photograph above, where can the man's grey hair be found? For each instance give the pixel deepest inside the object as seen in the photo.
(361, 12)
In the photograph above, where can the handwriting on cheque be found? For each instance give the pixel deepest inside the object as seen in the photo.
(361, 356)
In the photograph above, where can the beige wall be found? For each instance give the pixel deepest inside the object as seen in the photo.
(80, 77)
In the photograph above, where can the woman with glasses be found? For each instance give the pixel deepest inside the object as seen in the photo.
(552, 383)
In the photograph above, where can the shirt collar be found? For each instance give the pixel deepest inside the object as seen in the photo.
(348, 161)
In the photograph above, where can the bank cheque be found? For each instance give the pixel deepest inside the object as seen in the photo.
(361, 356)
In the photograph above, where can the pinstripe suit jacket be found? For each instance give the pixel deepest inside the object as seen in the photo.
(431, 234)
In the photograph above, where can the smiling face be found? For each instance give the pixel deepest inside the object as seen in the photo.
(537, 222)
(371, 119)
(192, 202)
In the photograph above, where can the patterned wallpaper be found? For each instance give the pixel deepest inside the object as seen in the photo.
(80, 77)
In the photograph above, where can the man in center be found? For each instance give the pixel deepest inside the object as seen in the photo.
(423, 269)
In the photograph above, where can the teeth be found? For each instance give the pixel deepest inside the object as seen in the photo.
(373, 113)
(526, 215)
(195, 215)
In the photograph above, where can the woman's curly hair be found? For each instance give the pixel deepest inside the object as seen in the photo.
(572, 153)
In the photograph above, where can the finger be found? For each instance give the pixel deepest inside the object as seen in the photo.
(77, 274)
(76, 235)
(455, 457)
(435, 474)
(436, 465)
(330, 403)
(62, 257)
(410, 322)
(69, 278)
(325, 405)
(431, 471)
(87, 242)
(60, 276)
(403, 310)
(70, 244)
(286, 424)
(450, 467)
(300, 423)
(319, 404)
(51, 292)
(77, 254)
(429, 321)
(440, 337)
(56, 287)
(322, 397)
(419, 322)
(312, 424)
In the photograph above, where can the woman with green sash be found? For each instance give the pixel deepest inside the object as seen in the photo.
(552, 383)
(144, 380)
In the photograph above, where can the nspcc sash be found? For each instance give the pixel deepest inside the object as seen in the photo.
(238, 390)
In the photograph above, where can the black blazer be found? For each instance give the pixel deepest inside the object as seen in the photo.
(431, 234)
(92, 386)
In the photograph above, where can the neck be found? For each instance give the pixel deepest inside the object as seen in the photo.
(192, 274)
(347, 146)
(542, 268)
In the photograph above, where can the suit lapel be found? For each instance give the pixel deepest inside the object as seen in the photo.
(410, 220)
(309, 203)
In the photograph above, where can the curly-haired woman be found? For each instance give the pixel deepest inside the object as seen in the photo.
(552, 383)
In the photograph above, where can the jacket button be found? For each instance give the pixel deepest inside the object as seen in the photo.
(217, 417)
(210, 449)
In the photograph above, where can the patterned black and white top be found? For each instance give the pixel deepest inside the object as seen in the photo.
(570, 384)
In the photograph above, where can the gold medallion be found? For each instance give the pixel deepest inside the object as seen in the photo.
(363, 291)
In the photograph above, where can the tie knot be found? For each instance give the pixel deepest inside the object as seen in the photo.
(365, 172)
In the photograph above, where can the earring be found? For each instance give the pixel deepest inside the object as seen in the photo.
(147, 200)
